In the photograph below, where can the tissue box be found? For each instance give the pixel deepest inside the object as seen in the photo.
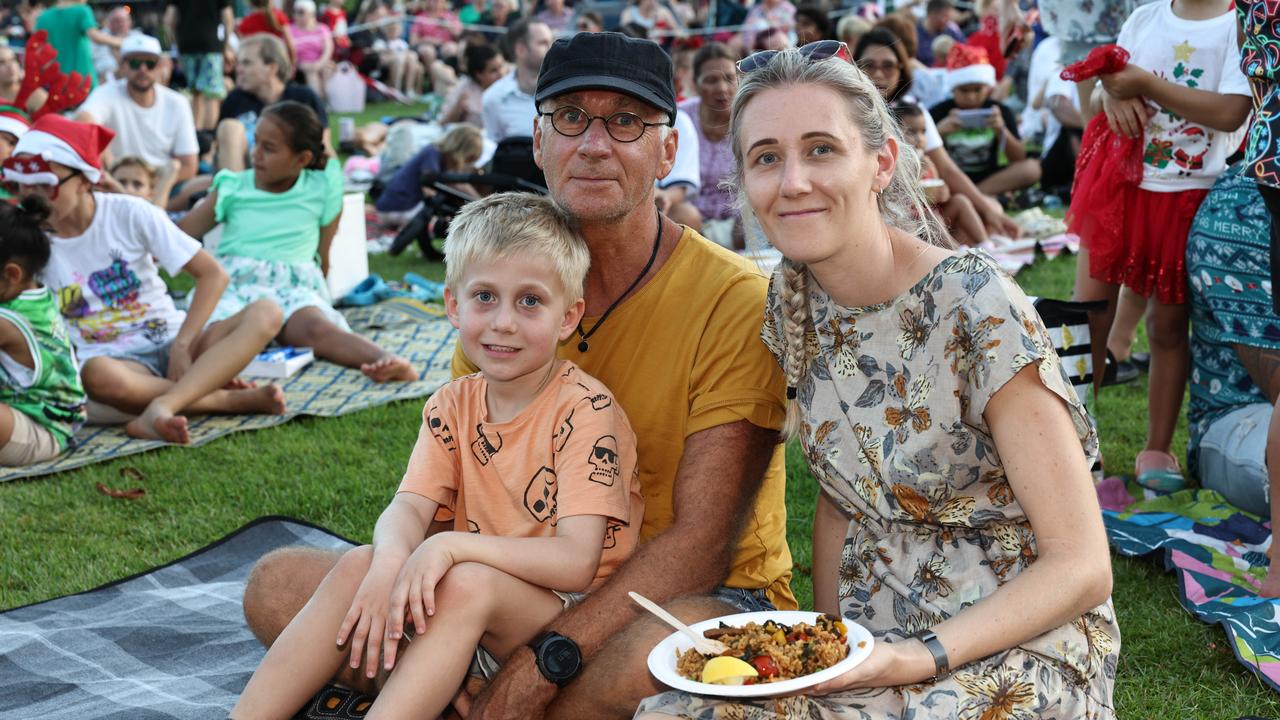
(279, 363)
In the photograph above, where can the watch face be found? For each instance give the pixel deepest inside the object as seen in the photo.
(560, 657)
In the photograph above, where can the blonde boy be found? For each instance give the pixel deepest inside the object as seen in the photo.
(530, 459)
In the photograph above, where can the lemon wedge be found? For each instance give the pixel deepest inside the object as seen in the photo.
(726, 670)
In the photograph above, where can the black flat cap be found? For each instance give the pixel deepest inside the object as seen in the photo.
(609, 61)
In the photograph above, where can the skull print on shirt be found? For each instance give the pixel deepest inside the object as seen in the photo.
(604, 460)
(482, 447)
(540, 496)
(440, 429)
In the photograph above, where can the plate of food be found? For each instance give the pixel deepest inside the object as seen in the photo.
(770, 653)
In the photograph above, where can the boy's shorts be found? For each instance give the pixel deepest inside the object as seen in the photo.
(485, 665)
(1233, 457)
(30, 443)
(204, 73)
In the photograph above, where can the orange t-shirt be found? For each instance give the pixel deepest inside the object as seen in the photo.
(570, 452)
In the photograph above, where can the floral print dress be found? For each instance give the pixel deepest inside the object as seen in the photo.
(893, 430)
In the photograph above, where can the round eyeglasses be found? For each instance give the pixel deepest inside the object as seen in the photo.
(624, 127)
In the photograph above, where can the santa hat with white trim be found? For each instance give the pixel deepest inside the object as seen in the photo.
(969, 65)
(14, 121)
(53, 138)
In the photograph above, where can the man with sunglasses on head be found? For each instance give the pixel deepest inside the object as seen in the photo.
(672, 326)
(149, 120)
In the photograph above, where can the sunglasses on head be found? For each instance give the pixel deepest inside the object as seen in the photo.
(135, 63)
(813, 52)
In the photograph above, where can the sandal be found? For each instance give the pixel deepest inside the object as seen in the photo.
(428, 289)
(366, 293)
(1158, 470)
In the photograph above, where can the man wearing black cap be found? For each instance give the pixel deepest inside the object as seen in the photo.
(672, 326)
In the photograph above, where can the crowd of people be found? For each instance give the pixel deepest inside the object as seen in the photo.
(624, 380)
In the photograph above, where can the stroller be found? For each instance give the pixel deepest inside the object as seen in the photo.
(512, 169)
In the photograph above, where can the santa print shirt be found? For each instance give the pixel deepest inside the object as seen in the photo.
(1202, 54)
(108, 289)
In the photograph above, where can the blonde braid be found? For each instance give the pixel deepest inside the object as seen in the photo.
(795, 321)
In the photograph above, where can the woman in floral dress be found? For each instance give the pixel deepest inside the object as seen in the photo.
(952, 452)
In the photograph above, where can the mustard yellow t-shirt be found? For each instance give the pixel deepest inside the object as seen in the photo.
(683, 355)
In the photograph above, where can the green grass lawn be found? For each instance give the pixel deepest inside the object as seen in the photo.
(59, 536)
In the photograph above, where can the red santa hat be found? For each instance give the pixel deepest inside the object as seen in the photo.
(53, 138)
(968, 65)
(14, 121)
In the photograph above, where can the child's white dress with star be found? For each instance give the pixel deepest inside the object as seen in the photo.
(1202, 54)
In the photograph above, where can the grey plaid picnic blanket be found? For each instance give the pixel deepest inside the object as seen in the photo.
(404, 326)
(169, 643)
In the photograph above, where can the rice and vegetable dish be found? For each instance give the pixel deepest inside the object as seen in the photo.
(774, 651)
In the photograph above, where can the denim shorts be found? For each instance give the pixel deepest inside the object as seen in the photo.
(1233, 457)
(744, 599)
(485, 665)
(156, 359)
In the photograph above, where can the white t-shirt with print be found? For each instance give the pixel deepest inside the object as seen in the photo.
(1203, 54)
(109, 292)
(156, 134)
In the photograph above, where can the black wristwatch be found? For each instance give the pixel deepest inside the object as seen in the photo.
(941, 664)
(558, 657)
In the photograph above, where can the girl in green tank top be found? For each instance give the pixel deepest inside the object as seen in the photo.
(39, 376)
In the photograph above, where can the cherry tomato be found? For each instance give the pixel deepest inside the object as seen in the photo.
(765, 666)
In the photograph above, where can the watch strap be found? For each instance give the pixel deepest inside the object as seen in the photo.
(941, 664)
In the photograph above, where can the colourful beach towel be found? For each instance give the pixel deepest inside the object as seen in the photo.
(1219, 555)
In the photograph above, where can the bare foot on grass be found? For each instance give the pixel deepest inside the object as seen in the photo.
(391, 368)
(159, 424)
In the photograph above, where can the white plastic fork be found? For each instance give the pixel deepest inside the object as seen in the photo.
(704, 645)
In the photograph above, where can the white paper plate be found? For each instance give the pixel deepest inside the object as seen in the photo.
(662, 659)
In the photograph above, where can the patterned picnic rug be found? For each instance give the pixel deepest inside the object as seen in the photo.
(169, 643)
(407, 327)
(1218, 553)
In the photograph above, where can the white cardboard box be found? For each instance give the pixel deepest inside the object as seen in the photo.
(279, 363)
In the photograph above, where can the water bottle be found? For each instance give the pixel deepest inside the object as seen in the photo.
(346, 134)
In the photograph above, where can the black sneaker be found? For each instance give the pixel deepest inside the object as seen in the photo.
(1141, 360)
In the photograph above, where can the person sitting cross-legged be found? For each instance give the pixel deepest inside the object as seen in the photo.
(140, 355)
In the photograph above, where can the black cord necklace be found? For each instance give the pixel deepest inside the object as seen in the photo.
(657, 241)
